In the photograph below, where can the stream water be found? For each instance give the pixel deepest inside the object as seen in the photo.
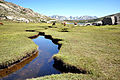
(40, 64)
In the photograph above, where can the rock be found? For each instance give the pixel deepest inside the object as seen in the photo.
(114, 20)
(88, 24)
(107, 21)
(10, 17)
(111, 20)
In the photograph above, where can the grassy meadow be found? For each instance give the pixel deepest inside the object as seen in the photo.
(95, 49)
(14, 41)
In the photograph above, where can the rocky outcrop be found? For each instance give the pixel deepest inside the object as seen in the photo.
(111, 20)
(17, 13)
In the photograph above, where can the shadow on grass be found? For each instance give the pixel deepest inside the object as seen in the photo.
(64, 68)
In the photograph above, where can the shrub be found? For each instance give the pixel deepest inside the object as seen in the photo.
(64, 30)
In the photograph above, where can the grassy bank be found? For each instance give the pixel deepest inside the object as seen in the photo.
(95, 49)
(14, 42)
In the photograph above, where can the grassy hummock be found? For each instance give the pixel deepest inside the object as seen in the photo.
(95, 49)
(14, 42)
(64, 76)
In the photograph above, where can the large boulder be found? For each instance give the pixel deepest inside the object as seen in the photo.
(107, 21)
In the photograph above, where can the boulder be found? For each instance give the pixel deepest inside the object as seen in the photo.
(107, 21)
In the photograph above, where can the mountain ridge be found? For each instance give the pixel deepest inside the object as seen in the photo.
(73, 17)
(18, 13)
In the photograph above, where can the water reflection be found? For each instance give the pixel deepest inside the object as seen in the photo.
(40, 66)
(7, 71)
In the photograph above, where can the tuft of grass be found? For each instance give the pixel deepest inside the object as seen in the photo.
(63, 30)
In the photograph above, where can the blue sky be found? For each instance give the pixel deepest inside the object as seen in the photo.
(97, 8)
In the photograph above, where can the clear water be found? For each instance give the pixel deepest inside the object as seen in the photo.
(40, 64)
(77, 23)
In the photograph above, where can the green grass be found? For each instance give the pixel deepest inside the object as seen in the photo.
(65, 76)
(93, 48)
(14, 41)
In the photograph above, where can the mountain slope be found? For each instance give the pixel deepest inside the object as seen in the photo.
(17, 13)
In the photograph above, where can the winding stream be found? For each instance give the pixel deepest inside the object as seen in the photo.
(40, 64)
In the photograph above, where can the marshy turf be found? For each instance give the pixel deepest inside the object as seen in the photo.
(14, 42)
(95, 49)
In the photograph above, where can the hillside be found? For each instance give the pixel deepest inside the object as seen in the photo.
(17, 13)
(117, 14)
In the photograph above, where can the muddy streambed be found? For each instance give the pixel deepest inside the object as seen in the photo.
(40, 64)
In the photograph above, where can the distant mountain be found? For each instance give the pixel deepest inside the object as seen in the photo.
(17, 13)
(73, 18)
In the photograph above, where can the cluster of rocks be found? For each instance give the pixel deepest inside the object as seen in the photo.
(113, 20)
(15, 18)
